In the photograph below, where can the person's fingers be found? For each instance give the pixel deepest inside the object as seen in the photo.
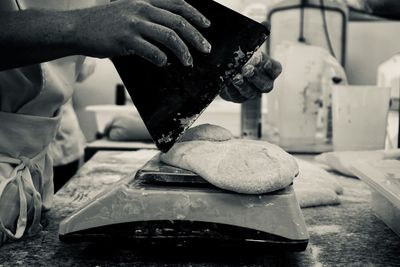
(182, 8)
(248, 70)
(181, 26)
(264, 85)
(230, 93)
(258, 58)
(170, 39)
(261, 71)
(246, 89)
(261, 81)
(150, 52)
(272, 67)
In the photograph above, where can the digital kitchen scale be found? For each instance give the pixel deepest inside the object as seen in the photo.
(164, 204)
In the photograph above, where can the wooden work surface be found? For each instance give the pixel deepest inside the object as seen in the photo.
(344, 235)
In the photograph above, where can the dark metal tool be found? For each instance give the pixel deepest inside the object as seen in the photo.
(169, 99)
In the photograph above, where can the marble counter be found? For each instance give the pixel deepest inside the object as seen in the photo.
(344, 235)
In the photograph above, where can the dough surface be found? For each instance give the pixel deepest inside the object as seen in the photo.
(207, 132)
(243, 166)
(315, 186)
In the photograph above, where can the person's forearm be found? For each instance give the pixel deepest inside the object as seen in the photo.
(125, 27)
(35, 36)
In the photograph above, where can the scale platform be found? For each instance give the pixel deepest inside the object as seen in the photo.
(163, 204)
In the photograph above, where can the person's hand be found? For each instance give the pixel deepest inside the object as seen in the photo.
(257, 77)
(136, 27)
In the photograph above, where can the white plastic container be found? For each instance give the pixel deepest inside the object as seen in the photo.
(251, 112)
(360, 116)
(299, 93)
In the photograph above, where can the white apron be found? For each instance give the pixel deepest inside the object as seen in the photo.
(30, 99)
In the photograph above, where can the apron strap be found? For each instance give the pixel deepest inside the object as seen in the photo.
(22, 176)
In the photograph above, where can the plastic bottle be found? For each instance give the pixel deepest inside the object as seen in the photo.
(251, 110)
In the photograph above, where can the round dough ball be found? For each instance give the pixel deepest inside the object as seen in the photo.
(206, 132)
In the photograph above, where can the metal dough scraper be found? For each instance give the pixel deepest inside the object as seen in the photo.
(170, 99)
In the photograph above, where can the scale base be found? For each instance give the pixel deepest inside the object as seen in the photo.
(165, 205)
